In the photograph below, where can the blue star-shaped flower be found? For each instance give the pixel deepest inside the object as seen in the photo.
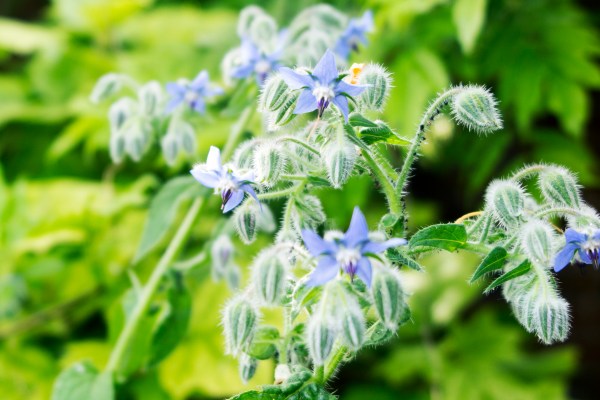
(256, 62)
(224, 180)
(586, 248)
(192, 93)
(321, 87)
(349, 253)
(355, 34)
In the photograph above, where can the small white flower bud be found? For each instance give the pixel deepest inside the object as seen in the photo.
(239, 323)
(170, 148)
(537, 241)
(151, 98)
(307, 212)
(269, 162)
(274, 94)
(270, 275)
(284, 114)
(137, 138)
(559, 187)
(255, 23)
(320, 336)
(245, 220)
(475, 108)
(221, 253)
(388, 298)
(106, 86)
(247, 367)
(340, 157)
(233, 276)
(120, 111)
(349, 316)
(244, 154)
(117, 147)
(506, 199)
(187, 137)
(379, 82)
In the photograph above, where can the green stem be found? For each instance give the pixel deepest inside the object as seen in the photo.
(384, 181)
(300, 143)
(141, 307)
(564, 211)
(281, 193)
(524, 173)
(236, 131)
(430, 114)
(486, 229)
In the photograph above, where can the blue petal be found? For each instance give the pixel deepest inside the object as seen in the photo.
(326, 71)
(295, 80)
(248, 189)
(596, 235)
(315, 244)
(199, 106)
(358, 231)
(173, 104)
(342, 104)
(563, 258)
(584, 257)
(200, 81)
(325, 271)
(306, 103)
(243, 71)
(366, 21)
(207, 178)
(572, 236)
(351, 90)
(236, 198)
(364, 270)
(378, 247)
(213, 161)
(175, 89)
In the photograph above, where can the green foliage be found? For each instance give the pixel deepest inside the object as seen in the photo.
(493, 261)
(443, 236)
(517, 271)
(82, 381)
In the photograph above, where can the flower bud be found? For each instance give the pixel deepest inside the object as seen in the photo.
(378, 82)
(263, 346)
(559, 187)
(352, 323)
(274, 94)
(340, 157)
(187, 137)
(244, 219)
(537, 241)
(284, 114)
(239, 323)
(247, 367)
(117, 146)
(233, 276)
(256, 24)
(506, 199)
(269, 275)
(137, 138)
(475, 108)
(170, 148)
(388, 298)
(244, 154)
(320, 336)
(221, 253)
(307, 212)
(269, 163)
(120, 111)
(106, 86)
(265, 221)
(151, 96)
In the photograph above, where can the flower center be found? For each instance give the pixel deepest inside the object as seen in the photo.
(591, 247)
(191, 96)
(227, 187)
(262, 67)
(323, 94)
(348, 259)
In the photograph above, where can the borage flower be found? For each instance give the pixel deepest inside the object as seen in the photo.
(584, 247)
(348, 253)
(192, 93)
(253, 61)
(226, 182)
(321, 87)
(355, 34)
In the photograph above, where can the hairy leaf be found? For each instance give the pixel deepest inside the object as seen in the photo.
(442, 236)
(493, 261)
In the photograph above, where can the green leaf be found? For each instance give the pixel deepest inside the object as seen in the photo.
(493, 261)
(443, 236)
(82, 381)
(468, 17)
(163, 210)
(521, 269)
(172, 328)
(262, 346)
(357, 120)
(256, 395)
(397, 257)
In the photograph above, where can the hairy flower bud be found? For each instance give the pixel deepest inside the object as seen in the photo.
(349, 316)
(284, 114)
(559, 187)
(475, 108)
(239, 323)
(269, 163)
(170, 148)
(244, 155)
(378, 82)
(244, 220)
(106, 86)
(340, 157)
(117, 147)
(506, 200)
(151, 98)
(137, 138)
(274, 94)
(247, 367)
(388, 298)
(269, 275)
(259, 26)
(120, 111)
(221, 253)
(320, 336)
(537, 241)
(307, 212)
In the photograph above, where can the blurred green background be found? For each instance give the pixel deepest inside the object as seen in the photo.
(71, 221)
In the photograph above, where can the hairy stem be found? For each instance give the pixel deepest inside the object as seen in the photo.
(526, 172)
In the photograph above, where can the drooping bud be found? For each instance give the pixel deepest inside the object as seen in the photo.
(269, 162)
(269, 275)
(244, 154)
(247, 367)
(117, 146)
(151, 97)
(221, 253)
(263, 342)
(388, 298)
(475, 108)
(233, 276)
(187, 137)
(170, 148)
(559, 187)
(506, 199)
(106, 86)
(379, 82)
(275, 92)
(239, 323)
(137, 138)
(265, 221)
(340, 157)
(307, 212)
(537, 241)
(284, 114)
(258, 26)
(120, 111)
(351, 319)
(244, 219)
(320, 336)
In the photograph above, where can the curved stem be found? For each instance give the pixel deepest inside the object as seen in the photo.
(281, 193)
(300, 143)
(433, 110)
(524, 173)
(141, 307)
(384, 181)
